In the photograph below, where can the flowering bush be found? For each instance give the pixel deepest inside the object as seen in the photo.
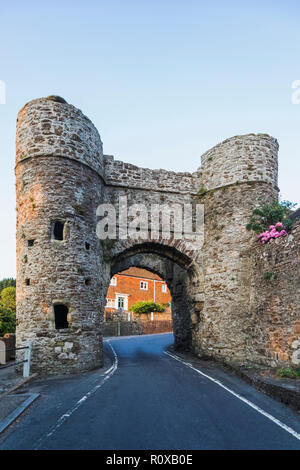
(275, 231)
(269, 214)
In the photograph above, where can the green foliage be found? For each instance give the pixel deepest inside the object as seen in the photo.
(7, 321)
(147, 307)
(286, 372)
(270, 214)
(8, 310)
(7, 282)
(8, 298)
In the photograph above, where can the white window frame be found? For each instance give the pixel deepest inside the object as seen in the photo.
(110, 303)
(143, 285)
(164, 288)
(125, 297)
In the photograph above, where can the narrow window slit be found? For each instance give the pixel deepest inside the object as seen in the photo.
(58, 230)
(60, 314)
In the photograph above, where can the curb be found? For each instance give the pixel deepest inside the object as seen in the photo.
(18, 411)
(274, 390)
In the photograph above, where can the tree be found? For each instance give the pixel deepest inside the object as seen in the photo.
(8, 298)
(7, 282)
(7, 321)
(8, 310)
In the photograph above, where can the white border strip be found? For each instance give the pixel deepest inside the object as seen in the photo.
(252, 405)
(19, 410)
(69, 413)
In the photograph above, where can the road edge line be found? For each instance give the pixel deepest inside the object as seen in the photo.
(248, 402)
(69, 413)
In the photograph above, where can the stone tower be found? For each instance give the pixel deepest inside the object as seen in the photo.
(59, 174)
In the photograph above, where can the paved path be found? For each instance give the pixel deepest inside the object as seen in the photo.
(149, 400)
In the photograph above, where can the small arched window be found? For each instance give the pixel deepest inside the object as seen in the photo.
(61, 316)
(58, 230)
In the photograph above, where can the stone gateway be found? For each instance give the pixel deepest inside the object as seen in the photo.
(222, 305)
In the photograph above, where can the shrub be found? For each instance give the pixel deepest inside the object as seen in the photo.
(286, 372)
(147, 307)
(270, 214)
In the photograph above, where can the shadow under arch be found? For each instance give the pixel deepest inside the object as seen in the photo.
(177, 270)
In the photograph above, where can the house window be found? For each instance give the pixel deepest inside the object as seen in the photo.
(143, 285)
(164, 288)
(121, 303)
(110, 303)
(113, 281)
(60, 314)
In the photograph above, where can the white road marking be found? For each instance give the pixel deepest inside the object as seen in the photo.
(259, 410)
(69, 413)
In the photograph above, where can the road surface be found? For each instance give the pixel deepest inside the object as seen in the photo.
(150, 400)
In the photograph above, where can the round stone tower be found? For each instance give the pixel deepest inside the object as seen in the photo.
(236, 176)
(59, 182)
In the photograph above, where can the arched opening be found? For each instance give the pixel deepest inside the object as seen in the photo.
(61, 316)
(138, 301)
(58, 232)
(176, 271)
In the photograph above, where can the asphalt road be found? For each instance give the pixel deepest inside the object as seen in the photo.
(149, 400)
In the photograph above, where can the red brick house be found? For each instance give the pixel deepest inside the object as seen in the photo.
(134, 285)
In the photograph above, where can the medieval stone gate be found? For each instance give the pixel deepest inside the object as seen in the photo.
(63, 269)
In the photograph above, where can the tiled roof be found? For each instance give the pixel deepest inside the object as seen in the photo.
(142, 273)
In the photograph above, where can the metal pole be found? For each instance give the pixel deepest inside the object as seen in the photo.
(27, 358)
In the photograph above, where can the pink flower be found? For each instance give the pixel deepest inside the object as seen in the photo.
(279, 224)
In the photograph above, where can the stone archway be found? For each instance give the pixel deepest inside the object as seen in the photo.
(63, 176)
(178, 278)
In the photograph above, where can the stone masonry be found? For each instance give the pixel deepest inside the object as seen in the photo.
(221, 307)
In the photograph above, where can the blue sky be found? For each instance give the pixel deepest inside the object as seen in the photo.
(162, 80)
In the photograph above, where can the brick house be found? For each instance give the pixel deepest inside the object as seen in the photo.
(134, 285)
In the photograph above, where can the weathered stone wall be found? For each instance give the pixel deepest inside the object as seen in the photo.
(230, 191)
(242, 158)
(63, 176)
(49, 128)
(274, 317)
(121, 174)
(54, 182)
